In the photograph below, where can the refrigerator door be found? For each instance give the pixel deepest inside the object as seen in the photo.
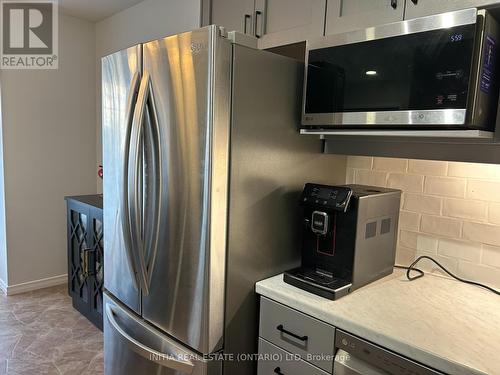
(120, 85)
(184, 295)
(134, 347)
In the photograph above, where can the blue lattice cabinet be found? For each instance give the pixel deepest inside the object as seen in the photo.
(86, 255)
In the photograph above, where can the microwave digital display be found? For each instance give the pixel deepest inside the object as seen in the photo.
(420, 71)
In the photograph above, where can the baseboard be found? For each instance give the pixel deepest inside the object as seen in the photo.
(35, 284)
(3, 287)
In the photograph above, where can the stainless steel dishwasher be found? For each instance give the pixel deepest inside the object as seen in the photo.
(356, 356)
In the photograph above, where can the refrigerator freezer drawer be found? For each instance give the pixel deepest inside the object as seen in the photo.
(131, 346)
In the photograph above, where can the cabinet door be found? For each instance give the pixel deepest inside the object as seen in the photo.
(420, 8)
(78, 252)
(96, 267)
(234, 15)
(349, 15)
(280, 22)
(274, 360)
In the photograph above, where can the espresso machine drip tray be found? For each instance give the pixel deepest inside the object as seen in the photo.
(318, 282)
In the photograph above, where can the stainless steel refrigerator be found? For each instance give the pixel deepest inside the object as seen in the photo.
(203, 168)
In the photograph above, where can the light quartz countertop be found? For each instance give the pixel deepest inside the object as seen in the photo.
(444, 324)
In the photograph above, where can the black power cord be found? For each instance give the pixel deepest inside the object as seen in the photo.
(421, 273)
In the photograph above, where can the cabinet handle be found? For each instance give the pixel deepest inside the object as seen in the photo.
(258, 13)
(394, 4)
(283, 330)
(277, 370)
(245, 19)
(414, 2)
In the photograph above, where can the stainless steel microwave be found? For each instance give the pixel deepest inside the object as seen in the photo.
(425, 73)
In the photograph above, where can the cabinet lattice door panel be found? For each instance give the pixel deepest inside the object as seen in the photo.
(85, 255)
(78, 283)
(96, 263)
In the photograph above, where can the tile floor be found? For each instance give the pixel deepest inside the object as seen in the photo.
(41, 334)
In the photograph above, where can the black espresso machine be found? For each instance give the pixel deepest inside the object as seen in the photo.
(349, 238)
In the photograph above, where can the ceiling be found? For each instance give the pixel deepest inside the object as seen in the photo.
(94, 10)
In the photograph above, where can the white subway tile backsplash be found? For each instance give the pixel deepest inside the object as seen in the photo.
(441, 226)
(491, 256)
(409, 220)
(374, 178)
(445, 186)
(474, 271)
(360, 162)
(390, 164)
(484, 190)
(422, 203)
(350, 175)
(465, 208)
(418, 241)
(428, 167)
(484, 233)
(427, 243)
(406, 182)
(460, 249)
(449, 211)
(448, 262)
(405, 256)
(474, 170)
(494, 213)
(408, 239)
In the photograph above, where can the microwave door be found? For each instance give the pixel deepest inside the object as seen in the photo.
(417, 77)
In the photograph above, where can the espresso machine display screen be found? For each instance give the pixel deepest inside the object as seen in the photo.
(339, 254)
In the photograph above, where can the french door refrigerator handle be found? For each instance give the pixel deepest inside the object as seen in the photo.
(162, 359)
(134, 86)
(152, 232)
(134, 183)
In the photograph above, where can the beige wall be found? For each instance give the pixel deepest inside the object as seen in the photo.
(49, 152)
(148, 20)
(450, 211)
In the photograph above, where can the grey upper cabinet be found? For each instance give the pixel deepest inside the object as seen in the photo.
(274, 22)
(237, 15)
(281, 22)
(348, 15)
(420, 8)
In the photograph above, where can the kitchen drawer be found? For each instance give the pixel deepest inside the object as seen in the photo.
(273, 360)
(297, 333)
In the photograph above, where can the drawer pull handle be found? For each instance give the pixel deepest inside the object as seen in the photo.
(283, 330)
(277, 370)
